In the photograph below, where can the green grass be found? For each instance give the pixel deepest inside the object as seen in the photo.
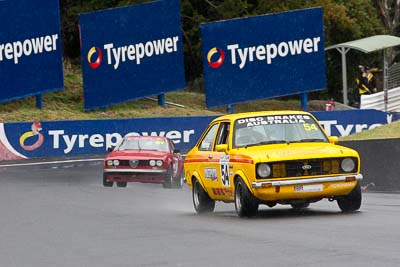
(391, 130)
(68, 104)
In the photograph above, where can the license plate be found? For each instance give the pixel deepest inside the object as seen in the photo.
(308, 188)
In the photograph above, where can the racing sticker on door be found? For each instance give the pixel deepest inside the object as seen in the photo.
(224, 162)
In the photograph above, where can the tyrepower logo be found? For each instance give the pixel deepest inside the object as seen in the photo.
(94, 64)
(242, 56)
(219, 54)
(38, 45)
(133, 52)
(35, 133)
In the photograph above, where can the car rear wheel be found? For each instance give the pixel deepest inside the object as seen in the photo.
(122, 184)
(201, 200)
(245, 203)
(105, 182)
(168, 180)
(352, 201)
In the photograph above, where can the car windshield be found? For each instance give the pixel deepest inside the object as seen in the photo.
(277, 129)
(144, 144)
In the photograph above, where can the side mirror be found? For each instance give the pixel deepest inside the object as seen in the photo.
(333, 139)
(175, 151)
(111, 148)
(222, 148)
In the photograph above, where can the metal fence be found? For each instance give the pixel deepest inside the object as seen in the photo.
(394, 76)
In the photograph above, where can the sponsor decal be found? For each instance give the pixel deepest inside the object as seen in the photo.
(39, 45)
(222, 191)
(269, 120)
(339, 185)
(220, 60)
(211, 173)
(36, 128)
(96, 63)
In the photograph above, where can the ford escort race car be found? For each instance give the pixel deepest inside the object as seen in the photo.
(274, 157)
(147, 159)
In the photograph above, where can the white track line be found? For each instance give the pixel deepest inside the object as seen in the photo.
(48, 162)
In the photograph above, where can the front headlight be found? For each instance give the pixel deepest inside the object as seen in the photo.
(348, 165)
(152, 163)
(159, 163)
(109, 162)
(116, 162)
(263, 170)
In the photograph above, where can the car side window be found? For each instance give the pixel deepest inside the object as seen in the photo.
(207, 142)
(223, 134)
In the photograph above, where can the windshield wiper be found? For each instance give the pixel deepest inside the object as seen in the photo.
(309, 140)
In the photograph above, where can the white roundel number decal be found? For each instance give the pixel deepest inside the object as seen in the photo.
(224, 165)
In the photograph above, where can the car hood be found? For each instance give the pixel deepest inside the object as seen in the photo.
(136, 154)
(292, 151)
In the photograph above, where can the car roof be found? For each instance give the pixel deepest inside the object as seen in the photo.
(135, 136)
(236, 116)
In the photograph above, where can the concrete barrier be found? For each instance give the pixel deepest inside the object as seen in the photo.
(379, 163)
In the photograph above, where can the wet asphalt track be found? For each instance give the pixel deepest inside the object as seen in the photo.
(60, 215)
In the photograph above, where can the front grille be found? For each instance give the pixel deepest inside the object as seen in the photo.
(141, 163)
(306, 167)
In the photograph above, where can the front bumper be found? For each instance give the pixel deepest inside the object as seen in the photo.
(330, 179)
(135, 171)
(305, 188)
(135, 175)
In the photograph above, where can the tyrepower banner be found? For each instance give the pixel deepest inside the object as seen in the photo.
(73, 138)
(30, 48)
(131, 52)
(263, 56)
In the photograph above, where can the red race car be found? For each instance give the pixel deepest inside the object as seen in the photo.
(147, 159)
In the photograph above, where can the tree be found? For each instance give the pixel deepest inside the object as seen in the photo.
(389, 13)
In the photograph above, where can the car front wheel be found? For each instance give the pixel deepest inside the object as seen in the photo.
(245, 203)
(180, 180)
(352, 201)
(105, 182)
(169, 177)
(201, 200)
(122, 184)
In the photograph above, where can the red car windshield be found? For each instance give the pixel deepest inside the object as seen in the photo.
(144, 144)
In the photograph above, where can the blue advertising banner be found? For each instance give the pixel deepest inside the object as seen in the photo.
(131, 52)
(30, 48)
(70, 138)
(73, 138)
(263, 56)
(347, 122)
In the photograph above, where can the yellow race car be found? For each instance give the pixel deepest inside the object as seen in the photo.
(271, 157)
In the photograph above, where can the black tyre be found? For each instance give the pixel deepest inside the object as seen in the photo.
(179, 180)
(201, 200)
(122, 184)
(169, 178)
(245, 203)
(352, 201)
(107, 183)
